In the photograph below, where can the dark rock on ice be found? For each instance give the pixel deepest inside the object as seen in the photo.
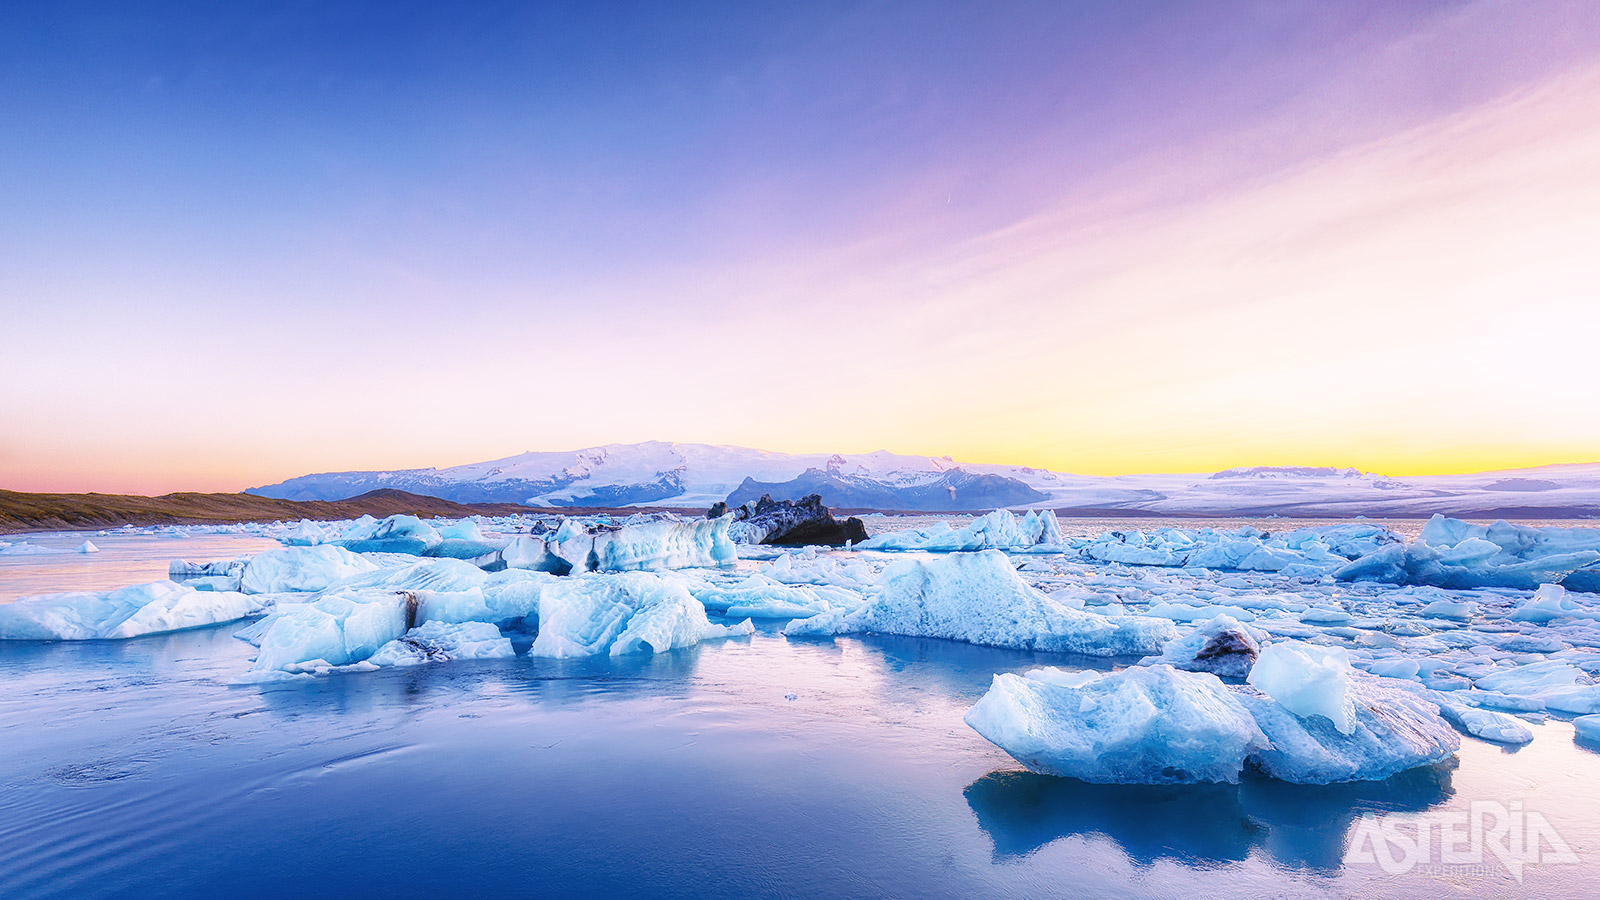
(797, 523)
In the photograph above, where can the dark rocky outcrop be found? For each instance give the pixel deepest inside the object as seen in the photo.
(806, 522)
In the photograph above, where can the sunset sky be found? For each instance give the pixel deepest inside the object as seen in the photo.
(245, 241)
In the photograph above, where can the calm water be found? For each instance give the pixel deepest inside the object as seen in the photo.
(131, 769)
(123, 559)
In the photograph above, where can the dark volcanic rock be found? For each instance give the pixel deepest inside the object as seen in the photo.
(801, 523)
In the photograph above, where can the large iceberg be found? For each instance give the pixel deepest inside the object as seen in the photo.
(590, 615)
(1148, 725)
(300, 569)
(124, 613)
(1451, 553)
(980, 599)
(1157, 724)
(641, 546)
(337, 629)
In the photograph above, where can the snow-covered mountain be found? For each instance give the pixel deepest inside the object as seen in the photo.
(694, 475)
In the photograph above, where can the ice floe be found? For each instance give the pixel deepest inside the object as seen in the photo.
(1149, 724)
(124, 613)
(1451, 553)
(998, 530)
(1157, 724)
(980, 599)
(590, 615)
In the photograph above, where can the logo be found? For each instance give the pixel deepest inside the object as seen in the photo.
(1485, 834)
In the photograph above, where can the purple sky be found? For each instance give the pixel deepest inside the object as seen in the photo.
(241, 242)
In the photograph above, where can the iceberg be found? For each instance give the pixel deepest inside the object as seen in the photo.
(1548, 603)
(763, 598)
(644, 546)
(998, 530)
(300, 569)
(1587, 727)
(591, 615)
(980, 599)
(439, 642)
(337, 629)
(1390, 730)
(1148, 725)
(395, 534)
(1308, 680)
(1454, 554)
(1486, 724)
(128, 612)
(1157, 724)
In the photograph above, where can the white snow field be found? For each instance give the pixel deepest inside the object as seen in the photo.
(1321, 654)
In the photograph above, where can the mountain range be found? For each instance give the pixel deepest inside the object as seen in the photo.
(659, 473)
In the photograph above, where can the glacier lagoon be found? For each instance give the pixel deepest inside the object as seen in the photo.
(754, 766)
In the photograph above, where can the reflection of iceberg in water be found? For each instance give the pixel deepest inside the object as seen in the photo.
(1300, 826)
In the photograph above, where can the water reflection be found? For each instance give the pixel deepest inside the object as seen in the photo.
(1297, 826)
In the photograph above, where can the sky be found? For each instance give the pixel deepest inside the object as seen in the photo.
(245, 241)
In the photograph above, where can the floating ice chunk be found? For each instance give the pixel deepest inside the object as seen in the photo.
(415, 574)
(88, 547)
(1454, 554)
(589, 615)
(300, 569)
(306, 534)
(124, 613)
(466, 540)
(828, 569)
(23, 548)
(1222, 646)
(1554, 684)
(440, 641)
(396, 534)
(1323, 616)
(643, 546)
(1063, 677)
(1400, 667)
(664, 545)
(998, 530)
(1533, 679)
(337, 629)
(1188, 612)
(1487, 724)
(1153, 725)
(1548, 603)
(1307, 680)
(1587, 727)
(1460, 610)
(980, 599)
(1391, 729)
(760, 597)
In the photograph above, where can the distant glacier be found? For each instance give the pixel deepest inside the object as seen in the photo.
(657, 473)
